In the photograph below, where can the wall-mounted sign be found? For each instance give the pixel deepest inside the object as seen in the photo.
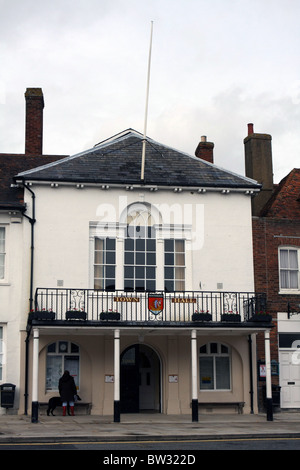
(126, 299)
(173, 379)
(183, 300)
(109, 379)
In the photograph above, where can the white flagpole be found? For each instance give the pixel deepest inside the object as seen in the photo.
(146, 108)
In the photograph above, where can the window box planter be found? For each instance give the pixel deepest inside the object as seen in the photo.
(74, 315)
(41, 315)
(231, 317)
(202, 317)
(261, 317)
(110, 316)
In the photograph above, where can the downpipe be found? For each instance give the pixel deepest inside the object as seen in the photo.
(32, 221)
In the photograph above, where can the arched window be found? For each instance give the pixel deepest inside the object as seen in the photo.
(61, 356)
(215, 366)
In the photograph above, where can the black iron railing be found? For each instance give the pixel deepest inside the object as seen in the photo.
(137, 307)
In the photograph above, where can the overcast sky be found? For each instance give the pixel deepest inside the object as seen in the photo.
(216, 66)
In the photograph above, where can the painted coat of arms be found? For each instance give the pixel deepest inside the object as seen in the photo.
(155, 304)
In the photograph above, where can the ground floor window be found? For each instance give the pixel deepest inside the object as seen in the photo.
(61, 356)
(214, 363)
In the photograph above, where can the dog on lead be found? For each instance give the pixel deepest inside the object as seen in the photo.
(56, 401)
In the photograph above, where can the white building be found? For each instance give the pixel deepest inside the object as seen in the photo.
(125, 265)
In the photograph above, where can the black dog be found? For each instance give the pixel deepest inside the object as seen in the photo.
(56, 401)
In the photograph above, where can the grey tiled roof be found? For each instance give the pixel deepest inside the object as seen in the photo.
(118, 161)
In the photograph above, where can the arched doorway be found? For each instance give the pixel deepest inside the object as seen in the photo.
(140, 380)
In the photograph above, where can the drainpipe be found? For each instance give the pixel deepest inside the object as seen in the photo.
(251, 373)
(32, 221)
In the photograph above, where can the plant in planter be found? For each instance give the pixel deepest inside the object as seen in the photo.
(201, 316)
(41, 314)
(110, 315)
(261, 316)
(231, 316)
(76, 314)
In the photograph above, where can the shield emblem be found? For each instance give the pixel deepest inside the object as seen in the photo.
(155, 304)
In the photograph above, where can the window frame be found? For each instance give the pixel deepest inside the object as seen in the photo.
(289, 269)
(3, 254)
(59, 352)
(215, 356)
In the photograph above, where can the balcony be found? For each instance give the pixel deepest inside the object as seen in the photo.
(98, 308)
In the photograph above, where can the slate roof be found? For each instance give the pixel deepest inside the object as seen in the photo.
(117, 160)
(10, 165)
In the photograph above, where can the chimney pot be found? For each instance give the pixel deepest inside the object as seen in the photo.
(250, 129)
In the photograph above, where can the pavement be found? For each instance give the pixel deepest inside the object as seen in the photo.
(146, 427)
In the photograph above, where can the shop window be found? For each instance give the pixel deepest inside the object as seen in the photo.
(215, 366)
(61, 356)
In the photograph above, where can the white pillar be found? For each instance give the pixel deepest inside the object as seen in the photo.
(35, 377)
(194, 366)
(117, 376)
(269, 401)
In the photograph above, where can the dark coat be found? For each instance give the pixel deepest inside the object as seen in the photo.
(67, 388)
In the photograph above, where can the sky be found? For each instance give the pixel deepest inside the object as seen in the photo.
(216, 65)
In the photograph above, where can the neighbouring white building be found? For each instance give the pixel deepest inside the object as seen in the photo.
(140, 281)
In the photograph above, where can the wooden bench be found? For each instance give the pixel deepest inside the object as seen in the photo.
(79, 406)
(239, 405)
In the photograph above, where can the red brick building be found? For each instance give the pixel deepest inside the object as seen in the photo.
(276, 245)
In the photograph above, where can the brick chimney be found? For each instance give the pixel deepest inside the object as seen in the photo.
(34, 121)
(259, 166)
(205, 150)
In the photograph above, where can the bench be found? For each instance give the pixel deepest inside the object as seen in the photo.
(79, 406)
(238, 405)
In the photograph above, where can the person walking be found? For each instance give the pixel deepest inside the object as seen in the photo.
(67, 390)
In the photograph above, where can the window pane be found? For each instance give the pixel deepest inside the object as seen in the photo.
(53, 372)
(169, 259)
(1, 266)
(110, 272)
(179, 246)
(72, 365)
(222, 373)
(293, 261)
(140, 258)
(169, 273)
(151, 245)
(284, 279)
(99, 244)
(129, 258)
(129, 244)
(150, 285)
(284, 258)
(169, 286)
(169, 245)
(206, 373)
(140, 244)
(294, 279)
(110, 257)
(110, 244)
(151, 258)
(99, 284)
